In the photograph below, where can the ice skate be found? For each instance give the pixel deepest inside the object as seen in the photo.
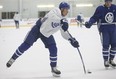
(10, 62)
(55, 72)
(112, 64)
(106, 64)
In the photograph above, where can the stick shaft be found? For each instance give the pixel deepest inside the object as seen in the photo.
(80, 55)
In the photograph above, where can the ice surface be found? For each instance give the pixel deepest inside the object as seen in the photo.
(34, 63)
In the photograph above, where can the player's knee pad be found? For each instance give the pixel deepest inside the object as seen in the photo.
(53, 50)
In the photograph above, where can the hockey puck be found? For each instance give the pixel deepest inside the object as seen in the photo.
(89, 72)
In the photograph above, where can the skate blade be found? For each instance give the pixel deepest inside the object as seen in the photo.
(56, 75)
(113, 67)
(106, 68)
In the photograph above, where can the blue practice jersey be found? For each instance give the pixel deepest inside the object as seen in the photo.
(80, 17)
(104, 14)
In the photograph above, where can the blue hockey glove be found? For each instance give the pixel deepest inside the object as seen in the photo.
(74, 42)
(88, 24)
(64, 24)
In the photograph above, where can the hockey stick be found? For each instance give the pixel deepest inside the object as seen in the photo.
(102, 23)
(92, 24)
(80, 55)
(98, 26)
(82, 60)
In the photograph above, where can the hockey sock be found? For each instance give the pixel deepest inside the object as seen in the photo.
(53, 55)
(112, 54)
(105, 54)
(22, 48)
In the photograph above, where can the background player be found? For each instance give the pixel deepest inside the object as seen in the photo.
(44, 28)
(105, 16)
(16, 19)
(80, 19)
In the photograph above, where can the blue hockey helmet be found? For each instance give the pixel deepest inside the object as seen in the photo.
(64, 5)
(108, 0)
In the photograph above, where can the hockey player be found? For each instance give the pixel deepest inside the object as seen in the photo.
(105, 16)
(80, 19)
(44, 28)
(16, 19)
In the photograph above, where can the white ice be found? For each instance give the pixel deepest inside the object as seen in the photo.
(34, 63)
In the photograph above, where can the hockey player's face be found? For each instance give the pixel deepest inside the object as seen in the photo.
(108, 3)
(64, 12)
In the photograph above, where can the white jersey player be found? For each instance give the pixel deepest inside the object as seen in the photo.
(44, 29)
(16, 19)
